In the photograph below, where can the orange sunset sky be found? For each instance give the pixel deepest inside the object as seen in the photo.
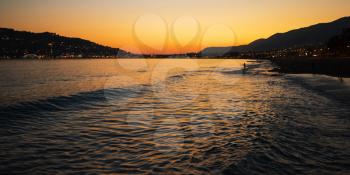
(168, 26)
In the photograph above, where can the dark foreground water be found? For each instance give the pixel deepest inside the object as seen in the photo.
(169, 117)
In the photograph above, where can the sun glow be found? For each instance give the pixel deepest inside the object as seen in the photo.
(164, 26)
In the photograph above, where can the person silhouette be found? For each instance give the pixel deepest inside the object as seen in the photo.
(244, 68)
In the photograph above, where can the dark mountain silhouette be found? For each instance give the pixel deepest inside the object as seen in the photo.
(340, 44)
(18, 44)
(313, 35)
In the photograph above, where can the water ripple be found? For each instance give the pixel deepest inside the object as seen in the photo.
(254, 124)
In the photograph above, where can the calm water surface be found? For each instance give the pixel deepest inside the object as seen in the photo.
(168, 117)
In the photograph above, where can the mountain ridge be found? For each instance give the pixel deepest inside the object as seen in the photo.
(18, 44)
(312, 35)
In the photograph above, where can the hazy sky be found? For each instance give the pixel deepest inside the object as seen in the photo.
(168, 26)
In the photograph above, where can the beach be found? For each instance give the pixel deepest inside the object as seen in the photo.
(166, 117)
(333, 66)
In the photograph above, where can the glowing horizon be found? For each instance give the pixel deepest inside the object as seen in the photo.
(164, 26)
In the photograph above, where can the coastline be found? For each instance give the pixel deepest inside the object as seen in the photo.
(328, 86)
(332, 66)
(330, 83)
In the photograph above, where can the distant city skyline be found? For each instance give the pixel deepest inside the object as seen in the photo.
(168, 26)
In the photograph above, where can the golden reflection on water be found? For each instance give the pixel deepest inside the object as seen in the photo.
(192, 108)
(166, 117)
(28, 80)
(188, 116)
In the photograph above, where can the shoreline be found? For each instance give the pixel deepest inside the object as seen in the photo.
(328, 86)
(331, 66)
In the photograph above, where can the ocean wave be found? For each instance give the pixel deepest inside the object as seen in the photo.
(81, 101)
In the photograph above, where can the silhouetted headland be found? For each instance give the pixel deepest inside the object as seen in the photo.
(331, 59)
(312, 36)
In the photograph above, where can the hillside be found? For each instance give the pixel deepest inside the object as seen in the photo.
(313, 35)
(19, 44)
